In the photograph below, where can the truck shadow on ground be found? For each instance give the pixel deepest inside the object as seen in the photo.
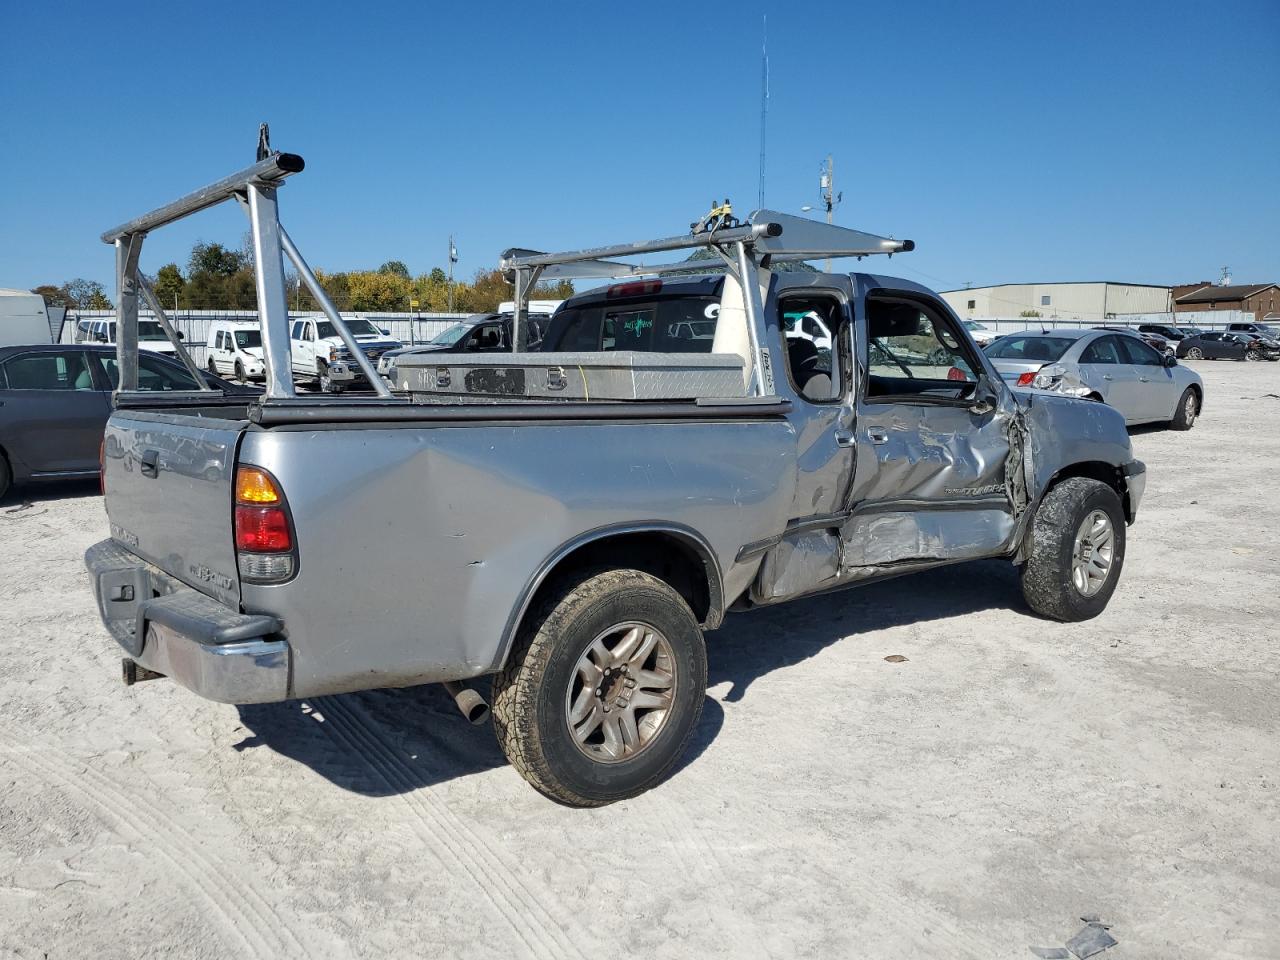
(751, 645)
(387, 742)
(31, 494)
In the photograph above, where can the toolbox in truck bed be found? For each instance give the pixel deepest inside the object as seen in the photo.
(613, 375)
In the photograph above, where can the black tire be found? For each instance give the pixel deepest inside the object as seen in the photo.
(1252, 355)
(6, 476)
(240, 377)
(1195, 353)
(1184, 417)
(213, 367)
(1047, 581)
(530, 712)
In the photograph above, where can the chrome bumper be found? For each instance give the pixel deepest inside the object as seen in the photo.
(168, 628)
(1135, 478)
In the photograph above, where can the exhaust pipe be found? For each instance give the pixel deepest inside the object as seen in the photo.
(470, 703)
(133, 673)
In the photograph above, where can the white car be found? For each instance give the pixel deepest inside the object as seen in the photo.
(981, 335)
(809, 327)
(234, 349)
(318, 353)
(151, 335)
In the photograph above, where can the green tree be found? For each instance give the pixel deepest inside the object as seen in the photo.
(86, 294)
(169, 285)
(438, 276)
(1029, 313)
(396, 268)
(53, 296)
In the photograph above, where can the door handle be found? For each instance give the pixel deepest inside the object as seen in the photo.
(844, 439)
(1107, 376)
(150, 464)
(877, 434)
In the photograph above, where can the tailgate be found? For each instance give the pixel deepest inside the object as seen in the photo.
(168, 480)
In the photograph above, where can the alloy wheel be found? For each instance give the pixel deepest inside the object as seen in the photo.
(1092, 553)
(621, 692)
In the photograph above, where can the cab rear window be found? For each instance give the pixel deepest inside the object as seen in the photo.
(664, 325)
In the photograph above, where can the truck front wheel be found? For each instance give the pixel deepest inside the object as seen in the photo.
(1077, 551)
(603, 689)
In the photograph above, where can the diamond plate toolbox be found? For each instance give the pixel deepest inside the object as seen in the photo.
(621, 375)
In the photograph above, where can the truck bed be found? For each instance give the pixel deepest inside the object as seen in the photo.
(423, 528)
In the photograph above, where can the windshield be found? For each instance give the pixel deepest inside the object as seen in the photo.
(150, 330)
(1032, 349)
(973, 325)
(248, 338)
(358, 326)
(451, 335)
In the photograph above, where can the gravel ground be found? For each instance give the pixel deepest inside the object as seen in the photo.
(1009, 777)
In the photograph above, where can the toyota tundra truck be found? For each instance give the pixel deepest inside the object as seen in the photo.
(570, 521)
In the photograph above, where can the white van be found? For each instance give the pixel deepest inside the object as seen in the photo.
(151, 335)
(234, 350)
(23, 319)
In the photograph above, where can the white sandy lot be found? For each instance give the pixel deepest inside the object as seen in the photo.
(1011, 776)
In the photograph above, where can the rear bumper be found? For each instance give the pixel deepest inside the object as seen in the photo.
(165, 626)
(1135, 479)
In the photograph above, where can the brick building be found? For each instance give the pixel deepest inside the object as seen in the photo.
(1260, 299)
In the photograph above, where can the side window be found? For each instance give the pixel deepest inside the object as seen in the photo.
(1139, 353)
(912, 348)
(48, 371)
(1102, 350)
(816, 372)
(309, 332)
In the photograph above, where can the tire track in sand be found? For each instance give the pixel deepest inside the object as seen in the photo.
(248, 921)
(532, 920)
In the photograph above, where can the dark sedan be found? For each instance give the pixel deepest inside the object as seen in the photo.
(1220, 345)
(479, 333)
(54, 404)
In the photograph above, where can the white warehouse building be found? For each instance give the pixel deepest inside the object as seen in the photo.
(1077, 300)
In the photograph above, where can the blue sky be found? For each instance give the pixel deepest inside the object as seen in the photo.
(1011, 141)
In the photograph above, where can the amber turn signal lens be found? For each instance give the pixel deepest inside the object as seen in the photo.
(254, 485)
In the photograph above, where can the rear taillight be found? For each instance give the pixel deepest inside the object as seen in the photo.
(955, 373)
(102, 466)
(1026, 379)
(640, 288)
(265, 550)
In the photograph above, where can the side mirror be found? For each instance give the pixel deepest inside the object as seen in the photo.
(984, 397)
(181, 335)
(385, 331)
(1170, 360)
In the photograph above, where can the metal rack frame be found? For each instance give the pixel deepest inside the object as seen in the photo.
(254, 188)
(766, 237)
(744, 250)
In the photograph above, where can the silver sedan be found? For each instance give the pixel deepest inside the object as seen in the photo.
(1116, 368)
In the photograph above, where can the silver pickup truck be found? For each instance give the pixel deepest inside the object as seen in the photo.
(701, 457)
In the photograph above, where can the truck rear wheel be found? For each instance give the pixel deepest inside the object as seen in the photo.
(603, 690)
(1077, 553)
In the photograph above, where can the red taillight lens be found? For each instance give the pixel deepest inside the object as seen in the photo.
(955, 373)
(262, 529)
(1026, 379)
(261, 520)
(641, 288)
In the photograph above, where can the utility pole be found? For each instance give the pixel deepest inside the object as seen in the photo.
(827, 185)
(764, 106)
